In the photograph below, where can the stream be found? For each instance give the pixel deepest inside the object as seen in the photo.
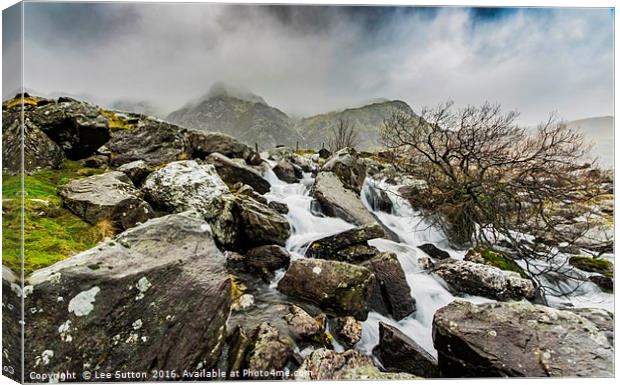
(429, 291)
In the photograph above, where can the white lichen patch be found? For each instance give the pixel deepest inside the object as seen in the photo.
(28, 290)
(316, 270)
(137, 324)
(143, 285)
(116, 339)
(132, 339)
(82, 304)
(44, 358)
(64, 331)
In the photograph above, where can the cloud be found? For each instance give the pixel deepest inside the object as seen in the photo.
(310, 59)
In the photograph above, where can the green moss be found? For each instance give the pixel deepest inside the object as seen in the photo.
(117, 121)
(52, 233)
(305, 151)
(499, 260)
(593, 265)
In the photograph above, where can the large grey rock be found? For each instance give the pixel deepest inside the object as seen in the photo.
(399, 353)
(484, 280)
(232, 173)
(340, 287)
(346, 165)
(188, 185)
(347, 246)
(261, 260)
(285, 171)
(78, 128)
(157, 296)
(137, 171)
(514, 339)
(324, 364)
(337, 201)
(153, 141)
(348, 330)
(11, 327)
(603, 319)
(392, 294)
(260, 224)
(302, 325)
(109, 196)
(39, 150)
(203, 143)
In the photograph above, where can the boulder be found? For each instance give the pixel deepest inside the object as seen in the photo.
(279, 153)
(77, 127)
(262, 260)
(324, 153)
(260, 224)
(232, 172)
(347, 246)
(109, 196)
(154, 141)
(157, 296)
(346, 166)
(137, 171)
(433, 251)
(378, 199)
(487, 281)
(605, 283)
(96, 161)
(348, 330)
(238, 345)
(339, 287)
(285, 171)
(268, 352)
(324, 364)
(392, 294)
(514, 339)
(203, 144)
(39, 150)
(302, 325)
(399, 353)
(188, 185)
(280, 207)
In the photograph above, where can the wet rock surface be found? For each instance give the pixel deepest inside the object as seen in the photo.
(268, 352)
(348, 330)
(286, 171)
(234, 172)
(433, 251)
(137, 171)
(397, 352)
(346, 164)
(339, 287)
(110, 196)
(156, 296)
(518, 339)
(347, 246)
(487, 281)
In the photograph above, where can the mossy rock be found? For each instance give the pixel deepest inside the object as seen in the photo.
(488, 256)
(52, 233)
(593, 265)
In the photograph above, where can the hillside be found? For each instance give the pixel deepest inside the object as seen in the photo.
(367, 119)
(600, 132)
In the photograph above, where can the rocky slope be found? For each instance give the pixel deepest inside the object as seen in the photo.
(213, 256)
(243, 115)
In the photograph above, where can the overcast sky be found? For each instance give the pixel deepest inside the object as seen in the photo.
(306, 60)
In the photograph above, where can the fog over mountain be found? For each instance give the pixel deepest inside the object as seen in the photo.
(599, 132)
(310, 59)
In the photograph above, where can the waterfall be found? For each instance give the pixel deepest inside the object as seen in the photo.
(429, 291)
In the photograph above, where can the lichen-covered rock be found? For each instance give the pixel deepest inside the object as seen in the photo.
(399, 353)
(348, 330)
(109, 196)
(203, 143)
(154, 141)
(301, 323)
(156, 296)
(285, 171)
(392, 294)
(487, 281)
(268, 352)
(39, 150)
(335, 286)
(347, 246)
(137, 171)
(346, 165)
(514, 339)
(592, 265)
(261, 225)
(324, 364)
(188, 185)
(280, 207)
(232, 173)
(433, 251)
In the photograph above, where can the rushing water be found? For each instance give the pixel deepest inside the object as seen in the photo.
(428, 291)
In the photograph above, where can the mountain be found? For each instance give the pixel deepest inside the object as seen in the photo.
(136, 106)
(366, 119)
(599, 131)
(239, 113)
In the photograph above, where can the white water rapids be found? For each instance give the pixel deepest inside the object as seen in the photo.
(428, 291)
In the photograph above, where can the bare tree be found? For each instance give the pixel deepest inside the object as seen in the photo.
(491, 181)
(343, 134)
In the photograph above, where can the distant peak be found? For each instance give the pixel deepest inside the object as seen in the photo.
(220, 89)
